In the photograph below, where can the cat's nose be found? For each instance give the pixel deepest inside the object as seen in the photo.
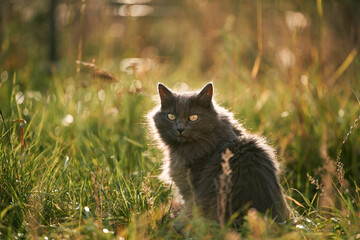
(180, 129)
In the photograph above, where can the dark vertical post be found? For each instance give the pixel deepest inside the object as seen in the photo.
(52, 39)
(1, 21)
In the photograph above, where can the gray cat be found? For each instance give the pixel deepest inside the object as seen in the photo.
(194, 132)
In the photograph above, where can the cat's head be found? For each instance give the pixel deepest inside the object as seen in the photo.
(185, 117)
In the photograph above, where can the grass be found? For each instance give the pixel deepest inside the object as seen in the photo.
(79, 165)
(76, 161)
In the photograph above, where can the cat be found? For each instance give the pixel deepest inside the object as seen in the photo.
(193, 132)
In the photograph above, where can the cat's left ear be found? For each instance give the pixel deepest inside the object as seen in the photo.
(206, 94)
(165, 94)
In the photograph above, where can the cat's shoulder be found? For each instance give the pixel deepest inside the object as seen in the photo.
(246, 142)
(249, 148)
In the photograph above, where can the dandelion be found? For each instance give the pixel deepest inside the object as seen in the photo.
(87, 97)
(101, 95)
(286, 57)
(304, 80)
(284, 114)
(37, 96)
(296, 20)
(4, 76)
(67, 120)
(181, 87)
(116, 30)
(66, 161)
(341, 112)
(137, 65)
(19, 97)
(135, 10)
(57, 131)
(135, 86)
(79, 107)
(302, 227)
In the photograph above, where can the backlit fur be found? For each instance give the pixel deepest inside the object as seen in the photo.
(192, 159)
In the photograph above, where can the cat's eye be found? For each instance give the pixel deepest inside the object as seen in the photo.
(171, 116)
(193, 118)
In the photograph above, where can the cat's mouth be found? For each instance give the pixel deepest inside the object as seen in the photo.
(181, 138)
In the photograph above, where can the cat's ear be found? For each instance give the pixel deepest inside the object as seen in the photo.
(206, 94)
(165, 94)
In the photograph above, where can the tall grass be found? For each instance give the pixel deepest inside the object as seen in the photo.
(75, 162)
(79, 165)
(75, 158)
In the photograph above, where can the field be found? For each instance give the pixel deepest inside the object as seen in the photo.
(76, 161)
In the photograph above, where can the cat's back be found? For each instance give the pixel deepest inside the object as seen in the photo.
(254, 176)
(247, 151)
(252, 150)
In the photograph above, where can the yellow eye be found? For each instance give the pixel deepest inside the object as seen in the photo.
(171, 116)
(193, 118)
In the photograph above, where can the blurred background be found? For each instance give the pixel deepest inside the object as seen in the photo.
(289, 69)
(211, 38)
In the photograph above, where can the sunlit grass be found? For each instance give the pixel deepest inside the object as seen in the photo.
(78, 163)
(75, 159)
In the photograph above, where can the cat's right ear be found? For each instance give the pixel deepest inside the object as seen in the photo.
(206, 94)
(166, 96)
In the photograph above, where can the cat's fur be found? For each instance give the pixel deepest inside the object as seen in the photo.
(192, 162)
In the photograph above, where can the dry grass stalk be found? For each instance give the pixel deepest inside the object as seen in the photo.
(348, 60)
(316, 183)
(97, 71)
(33, 216)
(80, 45)
(146, 190)
(96, 194)
(189, 207)
(257, 225)
(101, 201)
(257, 62)
(192, 190)
(339, 165)
(294, 201)
(224, 197)
(328, 172)
(232, 235)
(21, 131)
